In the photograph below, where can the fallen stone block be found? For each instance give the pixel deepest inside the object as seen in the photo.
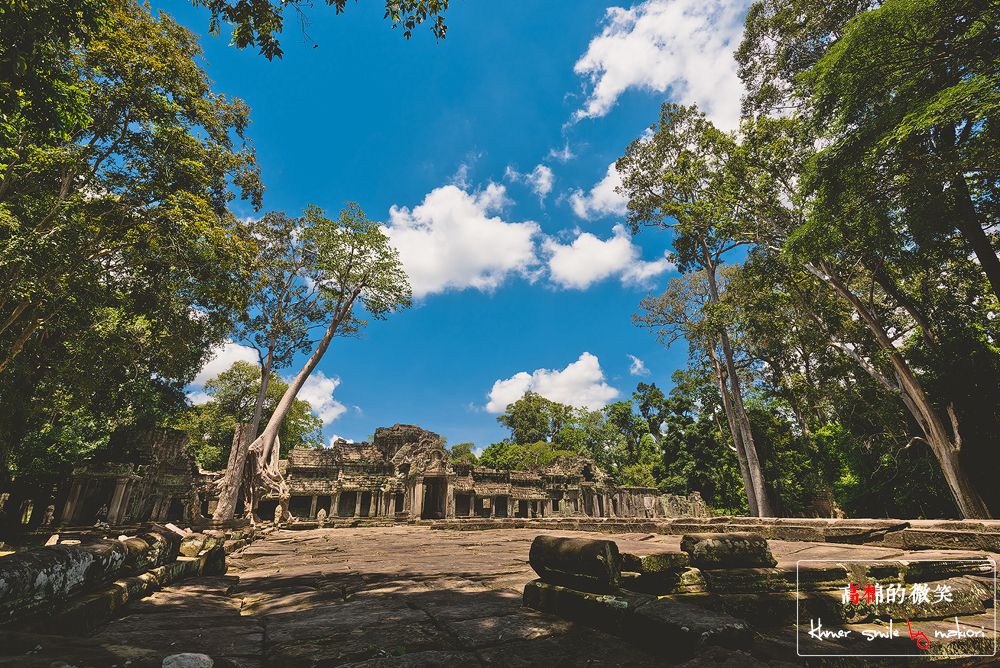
(749, 580)
(923, 539)
(581, 563)
(728, 550)
(656, 562)
(164, 545)
(925, 570)
(192, 544)
(800, 533)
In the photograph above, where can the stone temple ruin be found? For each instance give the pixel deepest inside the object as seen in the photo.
(405, 474)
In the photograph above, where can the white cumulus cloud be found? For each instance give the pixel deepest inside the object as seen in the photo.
(589, 259)
(602, 200)
(579, 384)
(540, 179)
(335, 438)
(318, 391)
(637, 368)
(450, 242)
(223, 358)
(683, 45)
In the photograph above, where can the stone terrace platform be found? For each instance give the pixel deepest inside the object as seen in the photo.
(408, 595)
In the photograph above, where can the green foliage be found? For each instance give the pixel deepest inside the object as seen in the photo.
(520, 456)
(35, 40)
(120, 262)
(462, 452)
(533, 418)
(234, 393)
(257, 22)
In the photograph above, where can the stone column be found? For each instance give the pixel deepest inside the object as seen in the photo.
(371, 505)
(126, 500)
(417, 498)
(357, 504)
(472, 504)
(493, 507)
(69, 510)
(116, 500)
(312, 507)
(449, 501)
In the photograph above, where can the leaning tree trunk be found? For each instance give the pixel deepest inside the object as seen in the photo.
(264, 475)
(946, 447)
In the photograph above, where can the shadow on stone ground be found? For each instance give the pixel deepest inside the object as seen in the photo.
(390, 597)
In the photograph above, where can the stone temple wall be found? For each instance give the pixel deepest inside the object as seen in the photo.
(406, 473)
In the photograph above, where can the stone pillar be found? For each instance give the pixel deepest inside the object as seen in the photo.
(493, 507)
(116, 501)
(371, 505)
(472, 504)
(357, 504)
(417, 498)
(69, 510)
(334, 504)
(126, 500)
(312, 507)
(449, 501)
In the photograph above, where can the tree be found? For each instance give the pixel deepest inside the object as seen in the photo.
(533, 418)
(118, 256)
(863, 215)
(678, 180)
(462, 452)
(35, 39)
(284, 305)
(360, 266)
(910, 91)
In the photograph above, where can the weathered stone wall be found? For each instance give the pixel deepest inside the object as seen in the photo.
(168, 479)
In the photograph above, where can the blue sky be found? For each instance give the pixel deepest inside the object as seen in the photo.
(489, 158)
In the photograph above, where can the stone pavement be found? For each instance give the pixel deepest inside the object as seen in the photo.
(395, 596)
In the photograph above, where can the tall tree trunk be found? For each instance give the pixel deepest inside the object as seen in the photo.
(741, 456)
(753, 464)
(229, 487)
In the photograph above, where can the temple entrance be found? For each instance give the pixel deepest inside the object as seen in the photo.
(435, 493)
(366, 504)
(463, 505)
(348, 502)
